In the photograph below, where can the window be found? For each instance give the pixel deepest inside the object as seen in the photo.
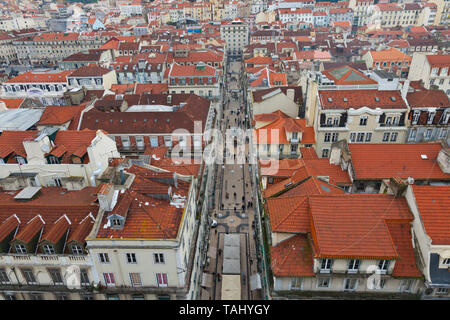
(87, 296)
(336, 122)
(323, 282)
(329, 121)
(103, 257)
(84, 277)
(296, 283)
(353, 265)
(4, 279)
(112, 297)
(131, 258)
(327, 137)
(368, 136)
(56, 277)
(21, 160)
(325, 153)
(109, 279)
(76, 249)
(48, 249)
(363, 121)
(20, 248)
(325, 265)
(412, 134)
(9, 296)
(415, 116)
(386, 137)
(352, 137)
(334, 137)
(53, 160)
(388, 121)
(442, 291)
(428, 133)
(383, 265)
(405, 286)
(29, 276)
(36, 296)
(135, 279)
(394, 136)
(161, 279)
(61, 296)
(350, 284)
(443, 133)
(159, 257)
(360, 137)
(138, 297)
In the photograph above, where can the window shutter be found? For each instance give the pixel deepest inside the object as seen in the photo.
(402, 119)
(322, 119)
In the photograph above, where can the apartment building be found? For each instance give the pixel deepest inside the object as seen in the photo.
(432, 70)
(92, 77)
(70, 159)
(306, 256)
(429, 115)
(50, 48)
(48, 87)
(406, 163)
(145, 244)
(362, 11)
(200, 79)
(7, 52)
(282, 137)
(393, 14)
(236, 35)
(431, 220)
(391, 60)
(154, 120)
(43, 248)
(343, 103)
(295, 14)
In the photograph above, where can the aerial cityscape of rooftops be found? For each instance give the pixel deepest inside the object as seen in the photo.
(224, 150)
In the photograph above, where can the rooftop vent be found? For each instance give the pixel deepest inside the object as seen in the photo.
(423, 156)
(377, 99)
(345, 100)
(393, 98)
(330, 100)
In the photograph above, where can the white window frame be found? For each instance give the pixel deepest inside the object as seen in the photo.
(319, 282)
(162, 284)
(442, 291)
(109, 279)
(138, 277)
(383, 266)
(76, 249)
(353, 265)
(354, 287)
(326, 265)
(20, 249)
(157, 258)
(48, 249)
(406, 285)
(131, 258)
(103, 257)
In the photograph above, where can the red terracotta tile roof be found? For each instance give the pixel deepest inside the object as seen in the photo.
(58, 115)
(391, 54)
(277, 130)
(439, 60)
(123, 88)
(289, 214)
(383, 161)
(41, 77)
(428, 99)
(51, 204)
(433, 203)
(308, 153)
(89, 71)
(13, 103)
(12, 141)
(355, 226)
(270, 117)
(153, 88)
(405, 265)
(347, 76)
(292, 258)
(72, 142)
(334, 99)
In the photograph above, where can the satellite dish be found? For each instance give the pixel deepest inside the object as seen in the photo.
(45, 148)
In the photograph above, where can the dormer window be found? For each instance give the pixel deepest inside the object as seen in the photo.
(116, 222)
(21, 160)
(415, 116)
(53, 160)
(48, 249)
(76, 249)
(430, 117)
(21, 249)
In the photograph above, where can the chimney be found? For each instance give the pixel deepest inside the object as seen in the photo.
(405, 89)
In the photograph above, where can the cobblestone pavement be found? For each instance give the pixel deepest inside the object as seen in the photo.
(233, 210)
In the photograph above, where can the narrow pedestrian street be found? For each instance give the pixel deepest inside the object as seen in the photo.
(234, 209)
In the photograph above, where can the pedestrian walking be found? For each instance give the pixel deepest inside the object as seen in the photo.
(243, 207)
